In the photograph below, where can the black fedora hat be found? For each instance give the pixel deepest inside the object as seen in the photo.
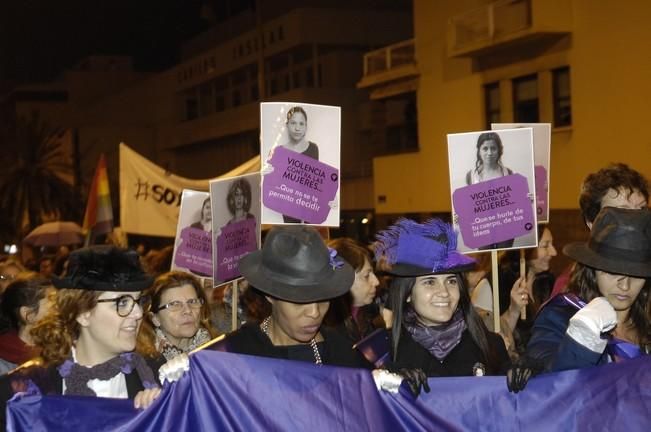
(620, 243)
(296, 266)
(104, 268)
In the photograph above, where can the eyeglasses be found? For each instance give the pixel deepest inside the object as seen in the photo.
(177, 305)
(125, 303)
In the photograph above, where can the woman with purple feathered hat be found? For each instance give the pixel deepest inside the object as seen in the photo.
(435, 327)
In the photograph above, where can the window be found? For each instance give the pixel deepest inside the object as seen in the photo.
(562, 100)
(191, 104)
(525, 99)
(206, 100)
(492, 103)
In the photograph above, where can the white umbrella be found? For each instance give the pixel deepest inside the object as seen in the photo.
(55, 234)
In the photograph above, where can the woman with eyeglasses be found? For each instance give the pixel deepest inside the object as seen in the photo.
(87, 340)
(178, 318)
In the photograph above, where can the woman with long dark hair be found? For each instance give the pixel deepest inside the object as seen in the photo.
(355, 314)
(605, 315)
(25, 301)
(529, 293)
(435, 327)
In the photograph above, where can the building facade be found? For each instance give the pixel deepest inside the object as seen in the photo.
(581, 66)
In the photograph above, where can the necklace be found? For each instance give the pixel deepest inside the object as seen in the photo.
(315, 349)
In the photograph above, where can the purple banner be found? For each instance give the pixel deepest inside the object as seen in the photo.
(542, 185)
(494, 211)
(194, 253)
(224, 391)
(299, 186)
(235, 241)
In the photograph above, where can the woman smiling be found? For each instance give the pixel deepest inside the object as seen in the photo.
(435, 327)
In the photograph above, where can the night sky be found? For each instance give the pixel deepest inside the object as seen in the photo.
(39, 38)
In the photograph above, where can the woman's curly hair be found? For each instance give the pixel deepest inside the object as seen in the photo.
(56, 333)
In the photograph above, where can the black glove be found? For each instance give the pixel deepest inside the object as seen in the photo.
(415, 379)
(519, 373)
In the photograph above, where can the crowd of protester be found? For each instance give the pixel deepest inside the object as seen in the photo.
(111, 322)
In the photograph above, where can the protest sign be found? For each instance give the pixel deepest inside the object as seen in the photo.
(300, 146)
(541, 151)
(492, 188)
(192, 248)
(236, 230)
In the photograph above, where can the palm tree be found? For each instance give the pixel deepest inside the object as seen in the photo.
(37, 180)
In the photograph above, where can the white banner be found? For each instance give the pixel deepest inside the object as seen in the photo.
(150, 196)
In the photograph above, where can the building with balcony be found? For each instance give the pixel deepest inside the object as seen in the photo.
(201, 117)
(581, 66)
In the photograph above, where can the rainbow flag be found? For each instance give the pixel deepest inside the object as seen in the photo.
(99, 211)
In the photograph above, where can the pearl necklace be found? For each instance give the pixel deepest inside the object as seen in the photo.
(315, 349)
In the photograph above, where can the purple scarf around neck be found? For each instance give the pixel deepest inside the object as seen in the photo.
(438, 340)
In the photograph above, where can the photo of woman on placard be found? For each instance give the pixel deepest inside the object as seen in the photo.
(238, 201)
(488, 164)
(312, 133)
(296, 130)
(205, 222)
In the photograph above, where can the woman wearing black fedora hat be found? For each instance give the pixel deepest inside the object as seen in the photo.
(605, 315)
(87, 340)
(299, 276)
(435, 327)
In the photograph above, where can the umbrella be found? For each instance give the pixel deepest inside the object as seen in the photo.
(55, 234)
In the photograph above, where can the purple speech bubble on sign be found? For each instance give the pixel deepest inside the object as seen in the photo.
(194, 252)
(299, 186)
(234, 242)
(494, 211)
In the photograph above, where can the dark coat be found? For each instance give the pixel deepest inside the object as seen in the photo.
(368, 320)
(459, 362)
(553, 347)
(335, 350)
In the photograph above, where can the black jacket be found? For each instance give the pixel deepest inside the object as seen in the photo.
(459, 362)
(335, 350)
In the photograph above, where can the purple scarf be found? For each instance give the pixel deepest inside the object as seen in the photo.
(438, 340)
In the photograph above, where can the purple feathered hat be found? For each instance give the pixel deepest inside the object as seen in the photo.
(409, 248)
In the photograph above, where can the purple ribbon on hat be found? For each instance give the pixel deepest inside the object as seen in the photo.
(335, 262)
